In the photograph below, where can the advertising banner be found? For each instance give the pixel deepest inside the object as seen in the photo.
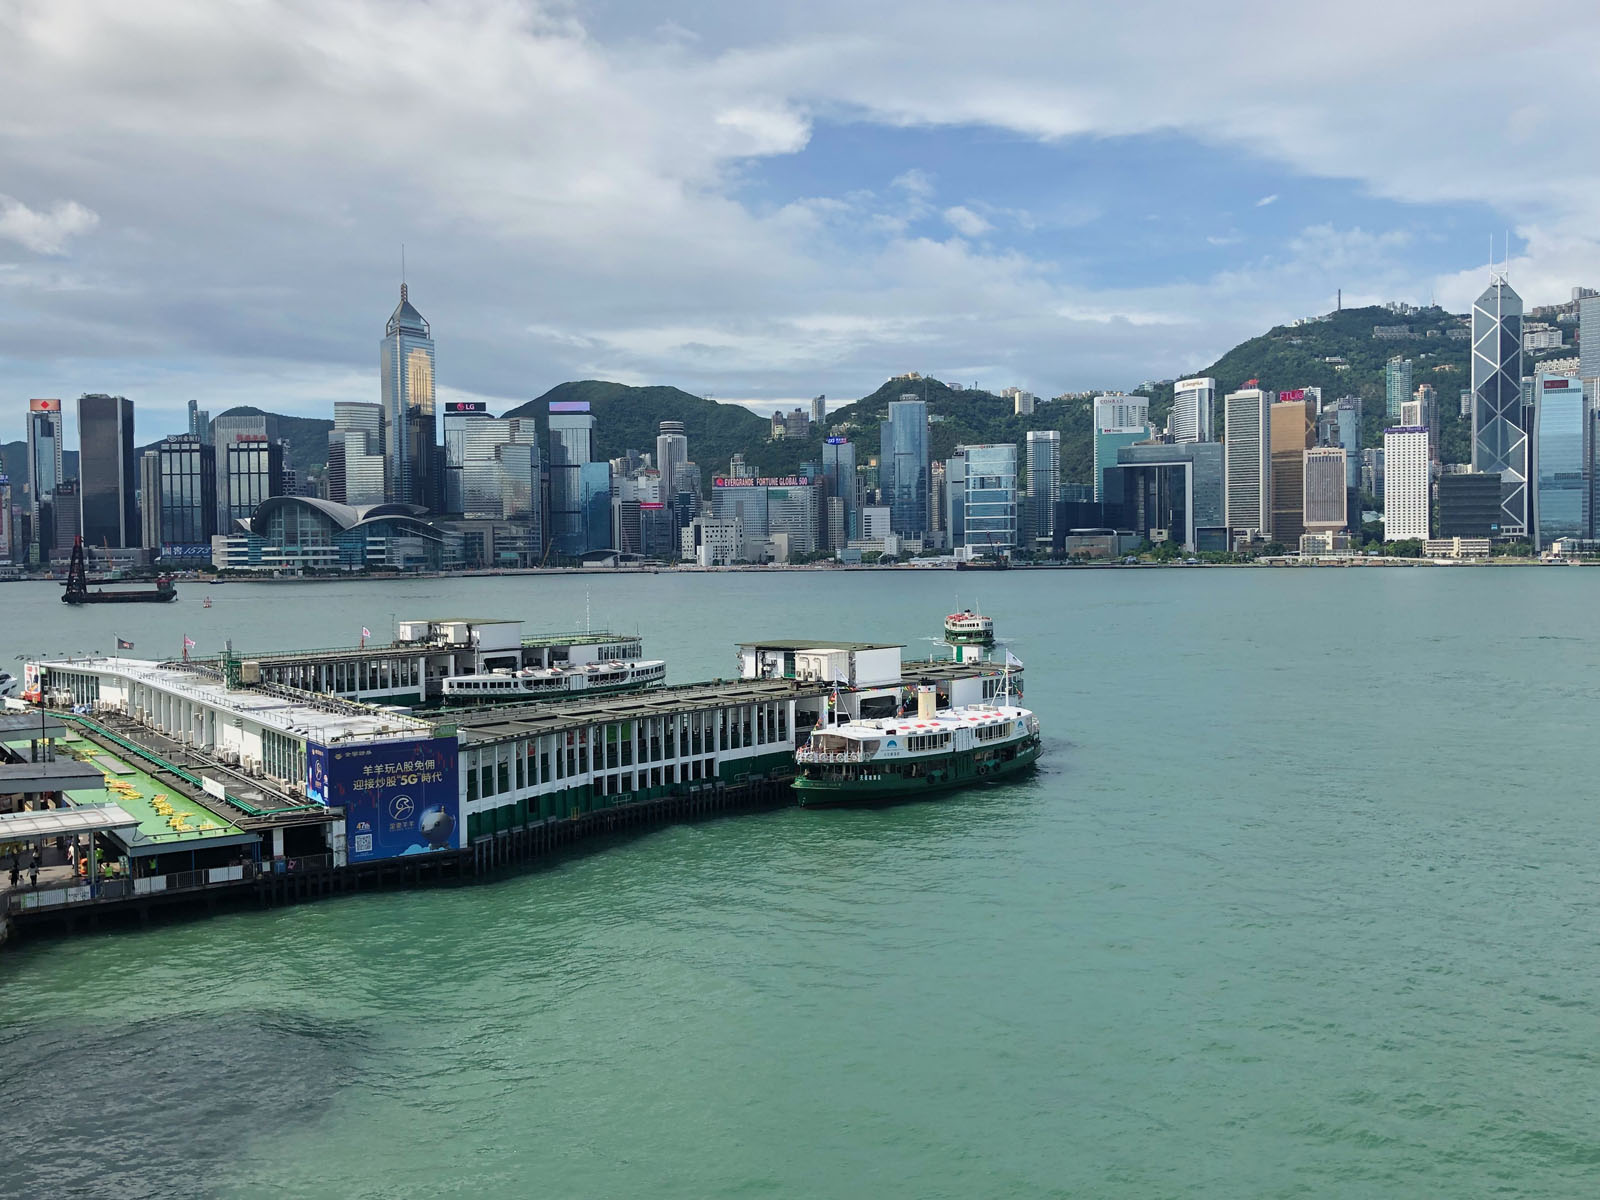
(466, 406)
(178, 550)
(398, 797)
(44, 406)
(569, 406)
(1291, 395)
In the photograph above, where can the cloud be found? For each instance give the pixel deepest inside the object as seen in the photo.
(966, 222)
(44, 232)
(1266, 200)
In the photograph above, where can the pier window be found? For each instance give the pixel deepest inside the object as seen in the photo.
(746, 721)
(655, 740)
(486, 779)
(672, 737)
(723, 719)
(503, 772)
(522, 779)
(626, 740)
(472, 784)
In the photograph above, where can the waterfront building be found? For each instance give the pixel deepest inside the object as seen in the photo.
(410, 429)
(1396, 385)
(1119, 420)
(294, 534)
(108, 471)
(8, 530)
(955, 502)
(150, 499)
(1339, 424)
(713, 541)
(594, 501)
(1499, 425)
(1562, 447)
(1327, 491)
(1372, 472)
(793, 510)
(839, 483)
(1405, 483)
(68, 518)
(355, 453)
(227, 429)
(1193, 405)
(1469, 505)
(458, 417)
(1170, 491)
(989, 499)
(254, 472)
(1294, 431)
(903, 465)
(1044, 484)
(184, 500)
(493, 465)
(45, 475)
(1248, 460)
(571, 449)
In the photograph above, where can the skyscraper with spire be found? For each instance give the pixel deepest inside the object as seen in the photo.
(410, 429)
(1499, 424)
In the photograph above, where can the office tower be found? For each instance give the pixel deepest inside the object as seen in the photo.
(571, 450)
(792, 510)
(199, 421)
(68, 519)
(1118, 421)
(8, 537)
(1499, 429)
(108, 472)
(1561, 469)
(1193, 402)
(1405, 483)
(224, 431)
(839, 483)
(410, 434)
(819, 410)
(150, 501)
(1428, 396)
(1589, 337)
(459, 416)
(1170, 490)
(1248, 460)
(355, 453)
(185, 496)
(1469, 505)
(989, 500)
(1294, 431)
(491, 455)
(1044, 483)
(672, 453)
(903, 465)
(955, 499)
(254, 473)
(44, 475)
(1327, 491)
(1396, 385)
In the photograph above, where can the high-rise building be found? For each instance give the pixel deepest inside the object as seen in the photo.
(1411, 414)
(1562, 466)
(199, 421)
(819, 410)
(185, 497)
(150, 500)
(839, 483)
(8, 537)
(355, 453)
(1248, 460)
(1396, 385)
(498, 465)
(410, 433)
(254, 473)
(68, 519)
(1327, 491)
(108, 472)
(1589, 337)
(225, 430)
(672, 454)
(45, 475)
(594, 499)
(1428, 396)
(1405, 483)
(955, 500)
(1294, 431)
(571, 449)
(1044, 483)
(903, 465)
(989, 498)
(1193, 403)
(1499, 425)
(1469, 505)
(1119, 421)
(1169, 490)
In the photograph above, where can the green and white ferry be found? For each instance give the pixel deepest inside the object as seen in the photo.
(890, 759)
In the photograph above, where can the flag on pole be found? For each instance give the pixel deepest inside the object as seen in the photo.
(188, 642)
(1012, 660)
(365, 632)
(124, 644)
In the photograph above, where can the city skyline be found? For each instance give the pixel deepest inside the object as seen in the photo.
(736, 202)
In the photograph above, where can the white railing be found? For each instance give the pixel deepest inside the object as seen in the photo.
(823, 756)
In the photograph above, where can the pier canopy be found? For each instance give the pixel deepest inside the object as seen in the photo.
(65, 775)
(65, 822)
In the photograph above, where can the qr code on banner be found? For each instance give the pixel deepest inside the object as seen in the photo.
(363, 843)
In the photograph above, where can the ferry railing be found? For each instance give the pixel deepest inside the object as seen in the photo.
(822, 756)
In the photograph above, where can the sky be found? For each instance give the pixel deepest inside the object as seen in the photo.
(756, 202)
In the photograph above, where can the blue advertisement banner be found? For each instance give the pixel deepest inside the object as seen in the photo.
(398, 797)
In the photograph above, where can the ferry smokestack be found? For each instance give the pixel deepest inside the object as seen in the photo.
(927, 701)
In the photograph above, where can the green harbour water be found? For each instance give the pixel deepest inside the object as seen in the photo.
(1302, 900)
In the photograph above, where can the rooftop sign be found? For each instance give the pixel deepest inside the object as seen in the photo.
(466, 406)
(44, 406)
(723, 481)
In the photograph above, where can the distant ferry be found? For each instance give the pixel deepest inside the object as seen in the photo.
(536, 683)
(903, 758)
(968, 628)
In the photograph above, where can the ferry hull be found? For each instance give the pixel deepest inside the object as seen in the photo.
(960, 772)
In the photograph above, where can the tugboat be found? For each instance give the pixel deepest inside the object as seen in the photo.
(890, 759)
(77, 590)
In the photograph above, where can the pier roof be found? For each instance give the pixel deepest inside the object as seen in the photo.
(810, 644)
(500, 722)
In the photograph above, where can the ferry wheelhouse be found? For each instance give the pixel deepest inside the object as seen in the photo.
(532, 683)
